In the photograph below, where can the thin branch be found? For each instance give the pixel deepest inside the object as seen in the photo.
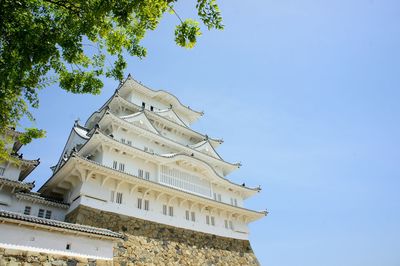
(176, 13)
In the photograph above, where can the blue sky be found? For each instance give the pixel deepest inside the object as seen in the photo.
(306, 95)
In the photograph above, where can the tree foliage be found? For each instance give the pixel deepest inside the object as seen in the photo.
(46, 41)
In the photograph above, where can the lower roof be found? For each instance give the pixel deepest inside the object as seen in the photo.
(34, 221)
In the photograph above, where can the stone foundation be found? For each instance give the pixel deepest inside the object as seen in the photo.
(12, 257)
(150, 243)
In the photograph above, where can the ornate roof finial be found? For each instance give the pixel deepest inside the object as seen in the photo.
(76, 122)
(129, 76)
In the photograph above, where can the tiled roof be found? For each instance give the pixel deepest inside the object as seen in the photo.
(18, 184)
(36, 197)
(59, 224)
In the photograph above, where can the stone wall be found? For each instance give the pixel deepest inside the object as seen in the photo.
(149, 243)
(12, 257)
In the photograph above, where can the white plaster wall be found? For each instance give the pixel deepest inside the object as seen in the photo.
(11, 171)
(226, 196)
(132, 165)
(138, 98)
(155, 213)
(9, 202)
(141, 142)
(25, 238)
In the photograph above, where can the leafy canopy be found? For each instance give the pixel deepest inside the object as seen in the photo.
(44, 41)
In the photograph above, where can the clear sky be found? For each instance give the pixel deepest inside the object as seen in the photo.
(306, 95)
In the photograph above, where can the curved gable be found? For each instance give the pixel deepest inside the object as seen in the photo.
(206, 147)
(172, 116)
(140, 119)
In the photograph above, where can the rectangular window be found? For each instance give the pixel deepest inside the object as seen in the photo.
(164, 209)
(48, 214)
(115, 164)
(235, 201)
(231, 225)
(212, 220)
(171, 211)
(187, 215)
(231, 201)
(146, 149)
(193, 216)
(122, 140)
(2, 170)
(226, 224)
(129, 142)
(215, 196)
(27, 210)
(41, 213)
(219, 197)
(68, 247)
(112, 196)
(147, 175)
(207, 219)
(139, 203)
(122, 167)
(146, 205)
(140, 173)
(151, 150)
(119, 198)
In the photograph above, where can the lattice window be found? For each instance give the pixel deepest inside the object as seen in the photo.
(184, 181)
(41, 213)
(119, 198)
(27, 210)
(140, 173)
(48, 214)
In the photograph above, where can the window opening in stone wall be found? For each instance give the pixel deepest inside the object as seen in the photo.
(27, 210)
(164, 209)
(68, 247)
(212, 220)
(193, 216)
(41, 213)
(235, 201)
(171, 211)
(122, 140)
(140, 173)
(207, 219)
(231, 225)
(122, 167)
(146, 205)
(147, 175)
(129, 142)
(187, 215)
(48, 214)
(119, 198)
(115, 164)
(139, 203)
(226, 224)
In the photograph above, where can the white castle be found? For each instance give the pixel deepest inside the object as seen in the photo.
(136, 156)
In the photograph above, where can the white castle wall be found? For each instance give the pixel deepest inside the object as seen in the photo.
(35, 239)
(11, 171)
(95, 195)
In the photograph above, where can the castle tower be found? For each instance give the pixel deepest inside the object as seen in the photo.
(137, 159)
